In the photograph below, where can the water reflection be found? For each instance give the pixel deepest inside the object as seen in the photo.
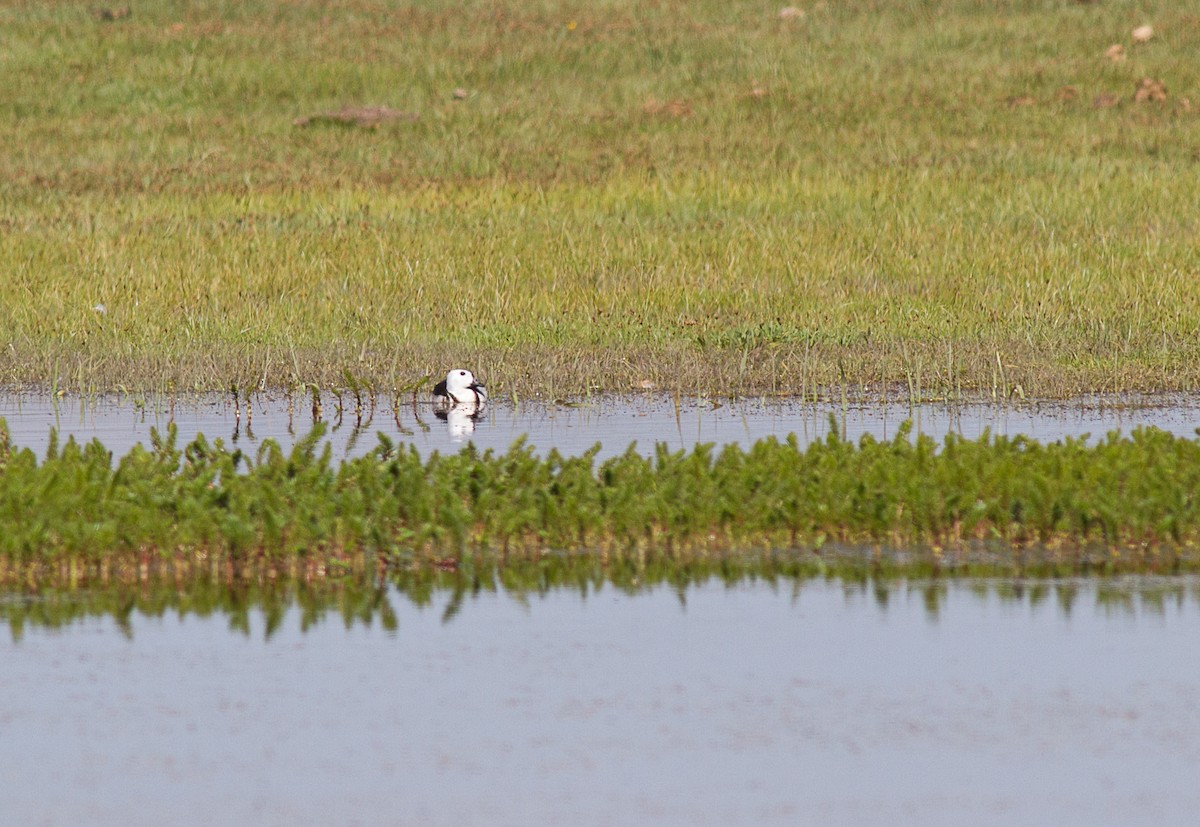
(373, 602)
(353, 420)
(460, 419)
(711, 700)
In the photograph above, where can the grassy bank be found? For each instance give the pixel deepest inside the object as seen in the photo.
(986, 505)
(943, 197)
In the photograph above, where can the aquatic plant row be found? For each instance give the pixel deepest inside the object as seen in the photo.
(1123, 502)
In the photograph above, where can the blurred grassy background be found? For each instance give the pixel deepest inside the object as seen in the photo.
(958, 197)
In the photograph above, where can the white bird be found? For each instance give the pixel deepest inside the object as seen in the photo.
(459, 388)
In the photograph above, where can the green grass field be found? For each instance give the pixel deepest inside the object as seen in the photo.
(943, 198)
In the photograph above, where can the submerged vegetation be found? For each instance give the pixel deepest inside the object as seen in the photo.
(905, 506)
(707, 197)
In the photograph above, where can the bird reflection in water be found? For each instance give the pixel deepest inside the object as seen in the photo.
(460, 419)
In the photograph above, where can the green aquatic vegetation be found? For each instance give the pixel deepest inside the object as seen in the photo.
(909, 504)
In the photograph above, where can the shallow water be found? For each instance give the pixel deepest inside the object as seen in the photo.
(615, 422)
(972, 702)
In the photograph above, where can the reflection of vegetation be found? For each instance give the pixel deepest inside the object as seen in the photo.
(356, 600)
(368, 600)
(989, 505)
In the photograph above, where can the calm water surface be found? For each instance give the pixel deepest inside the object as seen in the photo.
(962, 703)
(615, 422)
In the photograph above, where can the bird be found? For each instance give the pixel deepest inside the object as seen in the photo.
(459, 388)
